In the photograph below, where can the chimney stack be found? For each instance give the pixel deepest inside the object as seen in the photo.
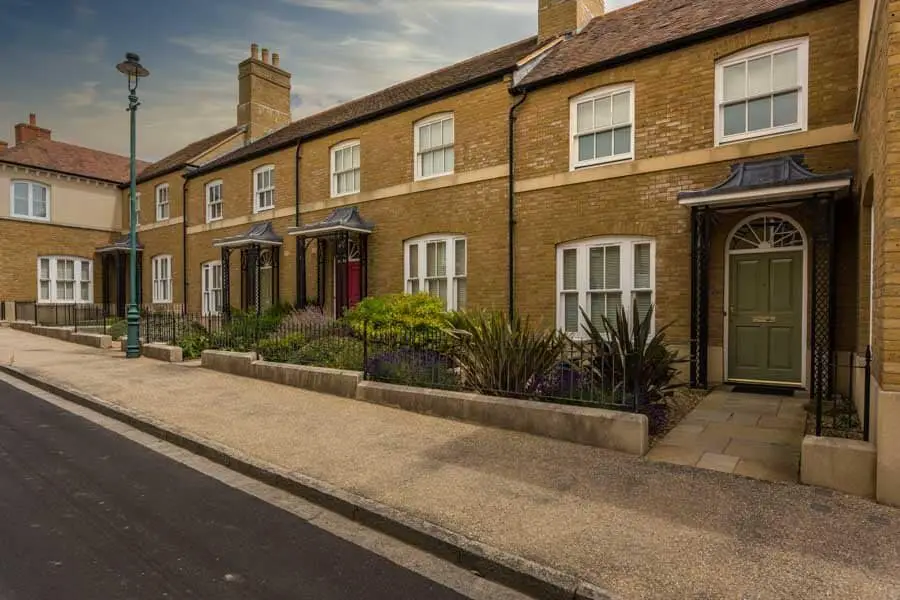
(30, 131)
(559, 17)
(264, 94)
(3, 145)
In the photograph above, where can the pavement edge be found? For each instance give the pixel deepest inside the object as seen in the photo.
(491, 563)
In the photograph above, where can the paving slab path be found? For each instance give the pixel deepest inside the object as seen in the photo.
(641, 529)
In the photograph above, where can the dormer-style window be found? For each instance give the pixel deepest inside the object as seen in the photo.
(434, 138)
(30, 200)
(762, 91)
(345, 169)
(264, 188)
(162, 202)
(602, 126)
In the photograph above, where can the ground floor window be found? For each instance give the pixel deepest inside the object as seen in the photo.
(600, 275)
(437, 265)
(212, 288)
(162, 279)
(65, 279)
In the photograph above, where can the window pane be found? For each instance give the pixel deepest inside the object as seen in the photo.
(436, 259)
(735, 82)
(461, 293)
(613, 303)
(785, 109)
(448, 131)
(438, 288)
(604, 144)
(437, 135)
(460, 251)
(438, 161)
(644, 301)
(621, 111)
(584, 117)
(355, 151)
(642, 265)
(602, 112)
(45, 268)
(85, 291)
(570, 269)
(413, 287)
(427, 163)
(735, 116)
(785, 70)
(45, 290)
(570, 312)
(759, 76)
(449, 160)
(85, 271)
(20, 199)
(39, 201)
(612, 268)
(595, 268)
(622, 140)
(759, 114)
(413, 260)
(586, 147)
(424, 138)
(597, 308)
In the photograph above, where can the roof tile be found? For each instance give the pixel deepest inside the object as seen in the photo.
(71, 159)
(182, 157)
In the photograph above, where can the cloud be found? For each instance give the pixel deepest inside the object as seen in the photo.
(85, 95)
(82, 11)
(94, 50)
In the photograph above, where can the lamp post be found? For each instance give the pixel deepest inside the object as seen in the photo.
(132, 68)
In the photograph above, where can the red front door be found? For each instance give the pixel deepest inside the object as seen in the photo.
(354, 269)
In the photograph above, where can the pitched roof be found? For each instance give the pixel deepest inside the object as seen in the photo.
(182, 157)
(70, 159)
(648, 25)
(469, 72)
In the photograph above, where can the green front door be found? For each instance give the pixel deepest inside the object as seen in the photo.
(765, 317)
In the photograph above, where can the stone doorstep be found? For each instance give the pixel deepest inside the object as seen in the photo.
(675, 454)
(705, 441)
(772, 454)
(718, 462)
(756, 433)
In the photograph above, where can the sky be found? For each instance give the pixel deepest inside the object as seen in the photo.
(60, 57)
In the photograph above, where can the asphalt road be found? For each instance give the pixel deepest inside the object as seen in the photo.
(87, 514)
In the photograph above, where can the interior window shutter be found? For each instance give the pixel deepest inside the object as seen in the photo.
(644, 297)
(570, 269)
(596, 268)
(460, 258)
(613, 260)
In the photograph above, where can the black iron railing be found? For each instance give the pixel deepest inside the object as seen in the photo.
(82, 317)
(848, 415)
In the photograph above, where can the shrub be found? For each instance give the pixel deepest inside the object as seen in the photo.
(637, 365)
(413, 316)
(283, 350)
(193, 340)
(117, 328)
(335, 352)
(416, 367)
(498, 355)
(565, 380)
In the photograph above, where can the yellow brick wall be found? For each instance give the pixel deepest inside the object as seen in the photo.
(675, 92)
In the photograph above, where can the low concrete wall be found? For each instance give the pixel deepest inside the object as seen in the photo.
(59, 333)
(26, 326)
(319, 379)
(162, 352)
(844, 465)
(96, 340)
(236, 363)
(625, 432)
(66, 334)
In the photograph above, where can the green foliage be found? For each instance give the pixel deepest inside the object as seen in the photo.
(632, 361)
(332, 352)
(246, 329)
(282, 350)
(497, 355)
(399, 314)
(193, 340)
(116, 328)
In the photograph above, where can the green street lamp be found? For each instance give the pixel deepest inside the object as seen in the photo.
(133, 69)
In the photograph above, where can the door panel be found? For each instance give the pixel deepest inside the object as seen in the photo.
(765, 317)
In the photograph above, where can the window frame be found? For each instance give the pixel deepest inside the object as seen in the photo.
(206, 292)
(334, 150)
(31, 185)
(257, 207)
(53, 279)
(595, 94)
(427, 122)
(626, 276)
(421, 278)
(744, 56)
(162, 204)
(157, 283)
(220, 203)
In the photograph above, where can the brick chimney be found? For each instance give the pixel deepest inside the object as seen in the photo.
(264, 94)
(3, 145)
(557, 17)
(31, 131)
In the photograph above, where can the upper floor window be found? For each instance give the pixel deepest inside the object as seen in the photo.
(434, 146)
(30, 200)
(162, 279)
(162, 202)
(264, 188)
(345, 169)
(65, 279)
(602, 126)
(437, 264)
(762, 91)
(213, 201)
(600, 275)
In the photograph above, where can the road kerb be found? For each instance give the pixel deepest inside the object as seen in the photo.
(491, 563)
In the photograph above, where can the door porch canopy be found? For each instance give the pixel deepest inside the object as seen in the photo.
(114, 256)
(759, 184)
(348, 234)
(260, 249)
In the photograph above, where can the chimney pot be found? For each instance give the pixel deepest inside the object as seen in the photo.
(32, 119)
(254, 51)
(275, 59)
(265, 55)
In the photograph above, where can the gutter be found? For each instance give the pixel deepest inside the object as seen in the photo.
(511, 193)
(300, 261)
(676, 44)
(118, 184)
